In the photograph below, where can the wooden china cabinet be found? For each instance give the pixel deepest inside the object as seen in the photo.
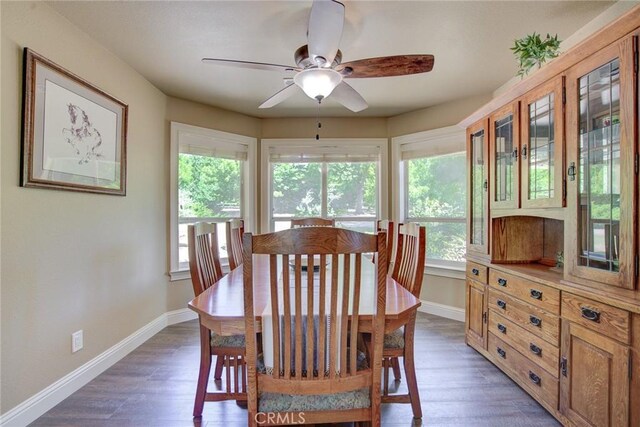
(553, 298)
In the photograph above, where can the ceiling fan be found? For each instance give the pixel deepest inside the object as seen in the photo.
(319, 70)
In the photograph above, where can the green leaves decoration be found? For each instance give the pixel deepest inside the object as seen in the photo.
(532, 50)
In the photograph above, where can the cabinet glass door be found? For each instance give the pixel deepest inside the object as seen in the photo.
(542, 147)
(603, 179)
(478, 189)
(599, 175)
(504, 152)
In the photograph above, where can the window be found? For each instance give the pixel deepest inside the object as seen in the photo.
(209, 177)
(432, 179)
(339, 179)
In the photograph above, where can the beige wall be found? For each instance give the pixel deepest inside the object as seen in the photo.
(72, 260)
(448, 114)
(443, 290)
(332, 127)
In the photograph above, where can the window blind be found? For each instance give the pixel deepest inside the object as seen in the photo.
(202, 146)
(292, 154)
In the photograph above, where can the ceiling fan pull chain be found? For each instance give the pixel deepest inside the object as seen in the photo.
(319, 123)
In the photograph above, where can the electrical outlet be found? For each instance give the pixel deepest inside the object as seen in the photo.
(76, 341)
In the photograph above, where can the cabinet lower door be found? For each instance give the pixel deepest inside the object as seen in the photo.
(476, 314)
(594, 378)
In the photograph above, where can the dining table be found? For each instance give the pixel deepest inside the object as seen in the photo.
(220, 308)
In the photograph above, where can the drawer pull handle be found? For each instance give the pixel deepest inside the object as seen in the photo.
(535, 321)
(590, 314)
(475, 271)
(502, 282)
(535, 349)
(501, 304)
(563, 366)
(501, 352)
(534, 378)
(502, 328)
(535, 294)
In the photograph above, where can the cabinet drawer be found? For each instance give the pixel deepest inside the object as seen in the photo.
(477, 272)
(533, 293)
(533, 319)
(532, 377)
(534, 348)
(609, 321)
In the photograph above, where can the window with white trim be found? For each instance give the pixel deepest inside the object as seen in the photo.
(210, 172)
(433, 192)
(338, 179)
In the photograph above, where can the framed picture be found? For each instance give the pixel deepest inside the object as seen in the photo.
(74, 135)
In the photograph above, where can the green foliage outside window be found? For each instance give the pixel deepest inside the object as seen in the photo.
(352, 189)
(437, 189)
(208, 187)
(297, 189)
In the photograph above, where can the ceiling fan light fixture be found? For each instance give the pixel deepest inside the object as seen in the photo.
(318, 83)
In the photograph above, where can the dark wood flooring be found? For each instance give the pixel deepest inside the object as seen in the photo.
(155, 385)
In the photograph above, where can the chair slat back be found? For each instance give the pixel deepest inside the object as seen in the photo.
(408, 268)
(388, 227)
(235, 230)
(204, 258)
(312, 222)
(315, 354)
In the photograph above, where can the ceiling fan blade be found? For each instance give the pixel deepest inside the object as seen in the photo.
(386, 66)
(250, 64)
(279, 96)
(325, 30)
(347, 96)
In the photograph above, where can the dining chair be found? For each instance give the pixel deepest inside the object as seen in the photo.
(312, 222)
(204, 265)
(408, 271)
(235, 230)
(315, 372)
(388, 227)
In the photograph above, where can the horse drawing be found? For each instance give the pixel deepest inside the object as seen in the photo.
(82, 136)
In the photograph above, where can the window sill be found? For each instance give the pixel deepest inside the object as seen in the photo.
(451, 272)
(175, 276)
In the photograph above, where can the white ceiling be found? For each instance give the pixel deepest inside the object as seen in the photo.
(164, 41)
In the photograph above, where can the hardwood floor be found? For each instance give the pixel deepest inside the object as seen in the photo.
(155, 385)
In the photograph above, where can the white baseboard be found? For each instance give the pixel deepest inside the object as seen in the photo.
(38, 404)
(179, 316)
(447, 311)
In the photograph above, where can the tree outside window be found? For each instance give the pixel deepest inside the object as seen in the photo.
(435, 196)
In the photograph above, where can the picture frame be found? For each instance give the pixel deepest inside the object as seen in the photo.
(74, 135)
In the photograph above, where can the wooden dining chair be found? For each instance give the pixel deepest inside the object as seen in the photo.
(204, 265)
(235, 230)
(408, 271)
(318, 373)
(388, 227)
(312, 222)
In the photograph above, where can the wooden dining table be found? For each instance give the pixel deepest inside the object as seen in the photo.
(221, 307)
